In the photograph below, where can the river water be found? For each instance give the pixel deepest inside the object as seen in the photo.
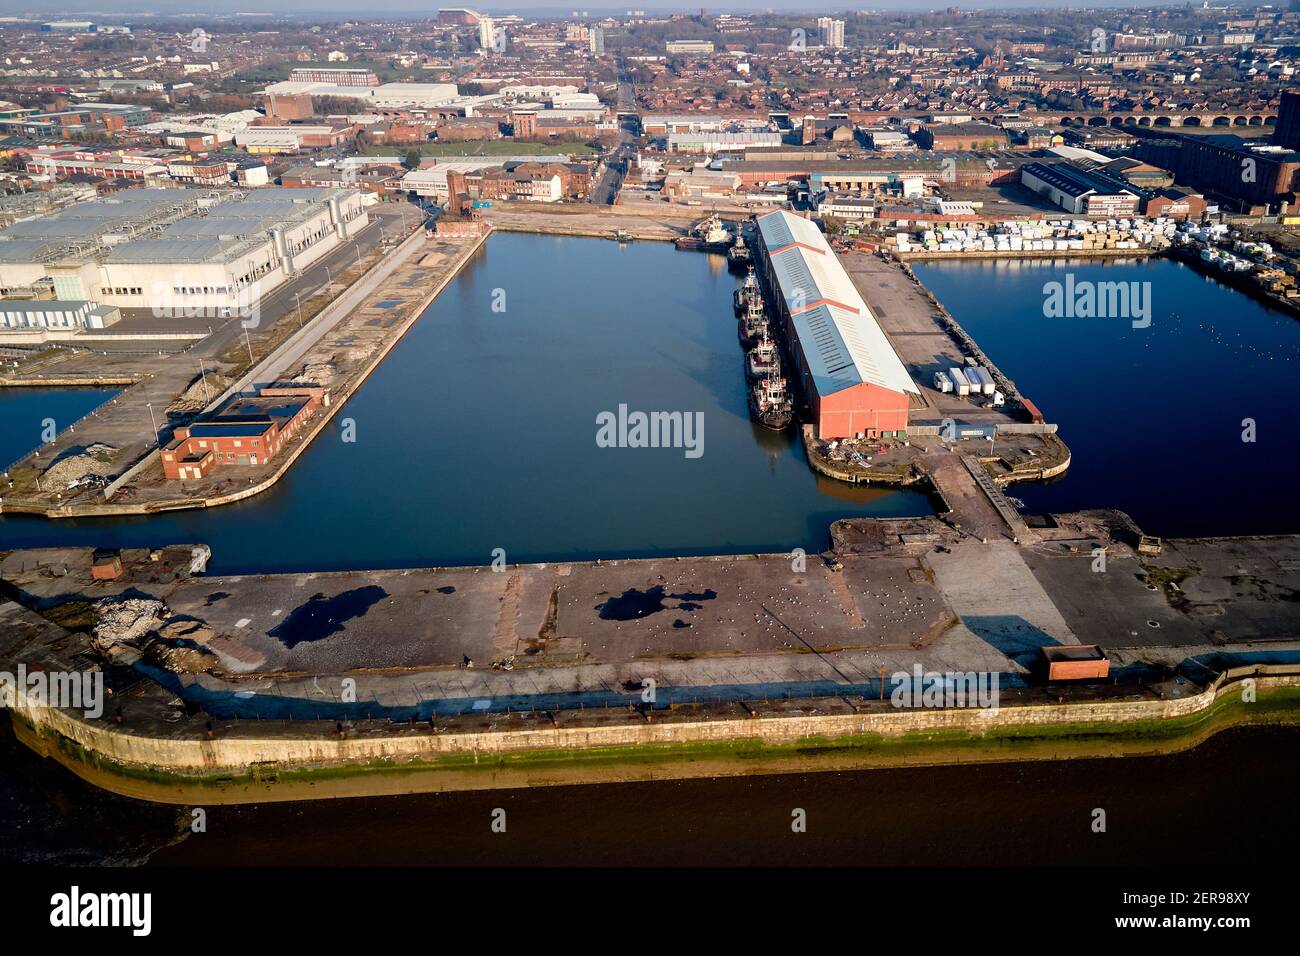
(1188, 808)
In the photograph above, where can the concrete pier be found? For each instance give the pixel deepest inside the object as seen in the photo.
(294, 671)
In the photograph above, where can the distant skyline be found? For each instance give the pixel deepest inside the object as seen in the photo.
(418, 8)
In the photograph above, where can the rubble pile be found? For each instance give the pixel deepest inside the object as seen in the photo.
(124, 620)
(197, 396)
(94, 462)
(315, 373)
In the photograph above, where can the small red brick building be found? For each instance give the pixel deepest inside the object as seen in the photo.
(249, 429)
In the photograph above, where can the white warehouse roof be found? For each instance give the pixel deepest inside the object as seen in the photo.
(840, 338)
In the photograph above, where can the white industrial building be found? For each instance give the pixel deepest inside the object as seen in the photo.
(177, 251)
(714, 142)
(430, 182)
(386, 95)
(55, 315)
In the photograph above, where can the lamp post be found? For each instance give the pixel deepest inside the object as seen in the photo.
(297, 297)
(207, 395)
(153, 421)
(249, 346)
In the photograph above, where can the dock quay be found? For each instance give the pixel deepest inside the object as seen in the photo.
(946, 432)
(370, 673)
(338, 348)
(651, 223)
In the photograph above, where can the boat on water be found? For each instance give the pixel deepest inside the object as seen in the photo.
(739, 256)
(753, 324)
(707, 236)
(770, 404)
(763, 359)
(747, 291)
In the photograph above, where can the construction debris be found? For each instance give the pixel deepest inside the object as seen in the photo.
(124, 620)
(79, 464)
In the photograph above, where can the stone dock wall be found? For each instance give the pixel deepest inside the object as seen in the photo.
(287, 746)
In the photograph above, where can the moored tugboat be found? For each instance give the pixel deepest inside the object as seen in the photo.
(738, 256)
(770, 404)
(753, 324)
(708, 236)
(763, 359)
(748, 290)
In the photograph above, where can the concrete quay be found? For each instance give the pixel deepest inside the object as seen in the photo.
(339, 347)
(651, 221)
(297, 671)
(911, 591)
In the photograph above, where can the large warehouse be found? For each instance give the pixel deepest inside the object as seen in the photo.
(854, 381)
(176, 251)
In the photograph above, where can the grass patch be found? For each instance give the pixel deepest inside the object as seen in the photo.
(72, 615)
(1163, 577)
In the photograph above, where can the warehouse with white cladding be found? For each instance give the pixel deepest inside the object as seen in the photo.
(175, 251)
(854, 381)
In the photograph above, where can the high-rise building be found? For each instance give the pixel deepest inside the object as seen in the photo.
(486, 33)
(832, 32)
(597, 40)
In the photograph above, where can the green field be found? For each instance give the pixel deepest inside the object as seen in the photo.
(496, 147)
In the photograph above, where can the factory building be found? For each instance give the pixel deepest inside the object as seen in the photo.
(248, 429)
(854, 381)
(1080, 191)
(24, 315)
(176, 251)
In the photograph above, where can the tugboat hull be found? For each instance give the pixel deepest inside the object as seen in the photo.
(750, 333)
(777, 419)
(755, 372)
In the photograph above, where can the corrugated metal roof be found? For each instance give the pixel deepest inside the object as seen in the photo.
(841, 339)
(216, 228)
(172, 250)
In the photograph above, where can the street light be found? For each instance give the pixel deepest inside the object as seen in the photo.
(249, 345)
(154, 421)
(207, 396)
(297, 298)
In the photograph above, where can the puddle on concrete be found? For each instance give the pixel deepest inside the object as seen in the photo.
(634, 604)
(323, 616)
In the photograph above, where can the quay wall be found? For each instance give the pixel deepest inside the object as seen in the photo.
(317, 425)
(70, 381)
(316, 745)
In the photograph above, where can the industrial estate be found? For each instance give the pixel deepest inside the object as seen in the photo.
(227, 224)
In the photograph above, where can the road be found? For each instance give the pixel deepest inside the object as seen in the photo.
(606, 189)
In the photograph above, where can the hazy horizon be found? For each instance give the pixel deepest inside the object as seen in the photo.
(424, 9)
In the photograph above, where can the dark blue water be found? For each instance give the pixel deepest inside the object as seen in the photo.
(478, 432)
(1152, 416)
(23, 412)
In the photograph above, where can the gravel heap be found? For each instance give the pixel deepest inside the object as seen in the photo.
(94, 459)
(124, 620)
